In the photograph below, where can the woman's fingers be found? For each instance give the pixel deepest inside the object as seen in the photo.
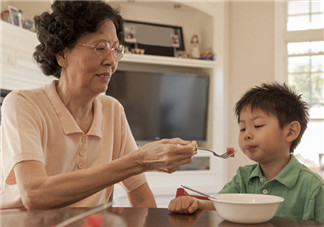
(166, 155)
(184, 149)
(172, 167)
(167, 166)
(175, 141)
(174, 157)
(178, 141)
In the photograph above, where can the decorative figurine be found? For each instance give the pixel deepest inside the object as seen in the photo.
(195, 53)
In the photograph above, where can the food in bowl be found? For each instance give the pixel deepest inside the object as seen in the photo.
(246, 208)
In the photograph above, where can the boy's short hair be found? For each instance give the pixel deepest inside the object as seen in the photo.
(279, 101)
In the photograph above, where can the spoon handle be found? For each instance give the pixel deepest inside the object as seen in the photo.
(195, 191)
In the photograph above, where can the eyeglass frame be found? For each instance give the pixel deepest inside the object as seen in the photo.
(110, 49)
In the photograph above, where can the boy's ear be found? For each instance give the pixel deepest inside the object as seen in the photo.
(61, 58)
(293, 130)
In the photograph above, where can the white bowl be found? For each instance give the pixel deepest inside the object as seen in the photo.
(246, 208)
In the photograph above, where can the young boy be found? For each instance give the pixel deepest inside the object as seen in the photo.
(272, 120)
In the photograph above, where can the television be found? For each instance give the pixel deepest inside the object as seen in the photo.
(162, 105)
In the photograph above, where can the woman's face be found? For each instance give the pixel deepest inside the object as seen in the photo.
(85, 73)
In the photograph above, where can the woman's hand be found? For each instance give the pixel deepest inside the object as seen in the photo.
(166, 155)
(184, 205)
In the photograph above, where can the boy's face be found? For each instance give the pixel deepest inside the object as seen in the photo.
(261, 138)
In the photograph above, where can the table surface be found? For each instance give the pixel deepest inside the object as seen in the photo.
(135, 217)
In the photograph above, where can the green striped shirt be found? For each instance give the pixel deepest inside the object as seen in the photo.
(302, 189)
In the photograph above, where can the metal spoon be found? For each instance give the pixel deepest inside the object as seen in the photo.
(201, 193)
(224, 155)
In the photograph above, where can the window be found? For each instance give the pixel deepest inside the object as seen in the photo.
(305, 72)
(305, 14)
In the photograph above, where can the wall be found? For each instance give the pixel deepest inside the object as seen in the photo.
(250, 59)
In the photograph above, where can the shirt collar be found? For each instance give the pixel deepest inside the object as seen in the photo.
(287, 176)
(256, 172)
(68, 123)
(95, 128)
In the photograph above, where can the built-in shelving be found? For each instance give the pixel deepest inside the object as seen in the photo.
(20, 71)
(171, 61)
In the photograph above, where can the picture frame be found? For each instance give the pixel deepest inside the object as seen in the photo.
(175, 41)
(15, 15)
(129, 33)
(154, 39)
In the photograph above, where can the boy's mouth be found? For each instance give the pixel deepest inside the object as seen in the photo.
(250, 148)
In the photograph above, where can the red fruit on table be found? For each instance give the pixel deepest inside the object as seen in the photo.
(94, 220)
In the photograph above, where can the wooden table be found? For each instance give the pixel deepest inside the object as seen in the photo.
(135, 217)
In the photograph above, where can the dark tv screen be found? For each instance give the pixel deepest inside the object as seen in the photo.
(162, 105)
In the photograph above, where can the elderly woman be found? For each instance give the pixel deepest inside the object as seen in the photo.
(64, 144)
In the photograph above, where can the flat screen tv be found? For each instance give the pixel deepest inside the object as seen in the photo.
(162, 105)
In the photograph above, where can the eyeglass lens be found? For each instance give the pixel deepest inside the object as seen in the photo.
(103, 48)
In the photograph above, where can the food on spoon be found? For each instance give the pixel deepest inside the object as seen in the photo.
(230, 150)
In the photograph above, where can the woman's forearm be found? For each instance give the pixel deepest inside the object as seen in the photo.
(41, 191)
(142, 197)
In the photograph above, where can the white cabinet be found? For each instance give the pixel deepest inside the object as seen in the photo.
(19, 70)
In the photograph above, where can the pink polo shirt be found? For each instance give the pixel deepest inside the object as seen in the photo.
(36, 125)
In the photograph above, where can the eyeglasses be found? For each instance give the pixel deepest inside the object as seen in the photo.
(103, 48)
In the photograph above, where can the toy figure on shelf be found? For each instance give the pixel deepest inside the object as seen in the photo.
(5, 16)
(208, 55)
(195, 53)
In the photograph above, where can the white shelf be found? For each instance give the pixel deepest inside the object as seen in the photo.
(161, 60)
(17, 33)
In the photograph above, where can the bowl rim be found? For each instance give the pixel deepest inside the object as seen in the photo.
(279, 199)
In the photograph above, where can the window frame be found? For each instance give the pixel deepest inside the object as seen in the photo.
(283, 37)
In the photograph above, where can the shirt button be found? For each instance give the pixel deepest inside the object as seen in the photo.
(261, 179)
(265, 191)
(84, 139)
(80, 166)
(81, 153)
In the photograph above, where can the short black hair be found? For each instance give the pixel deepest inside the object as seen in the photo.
(280, 101)
(65, 24)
